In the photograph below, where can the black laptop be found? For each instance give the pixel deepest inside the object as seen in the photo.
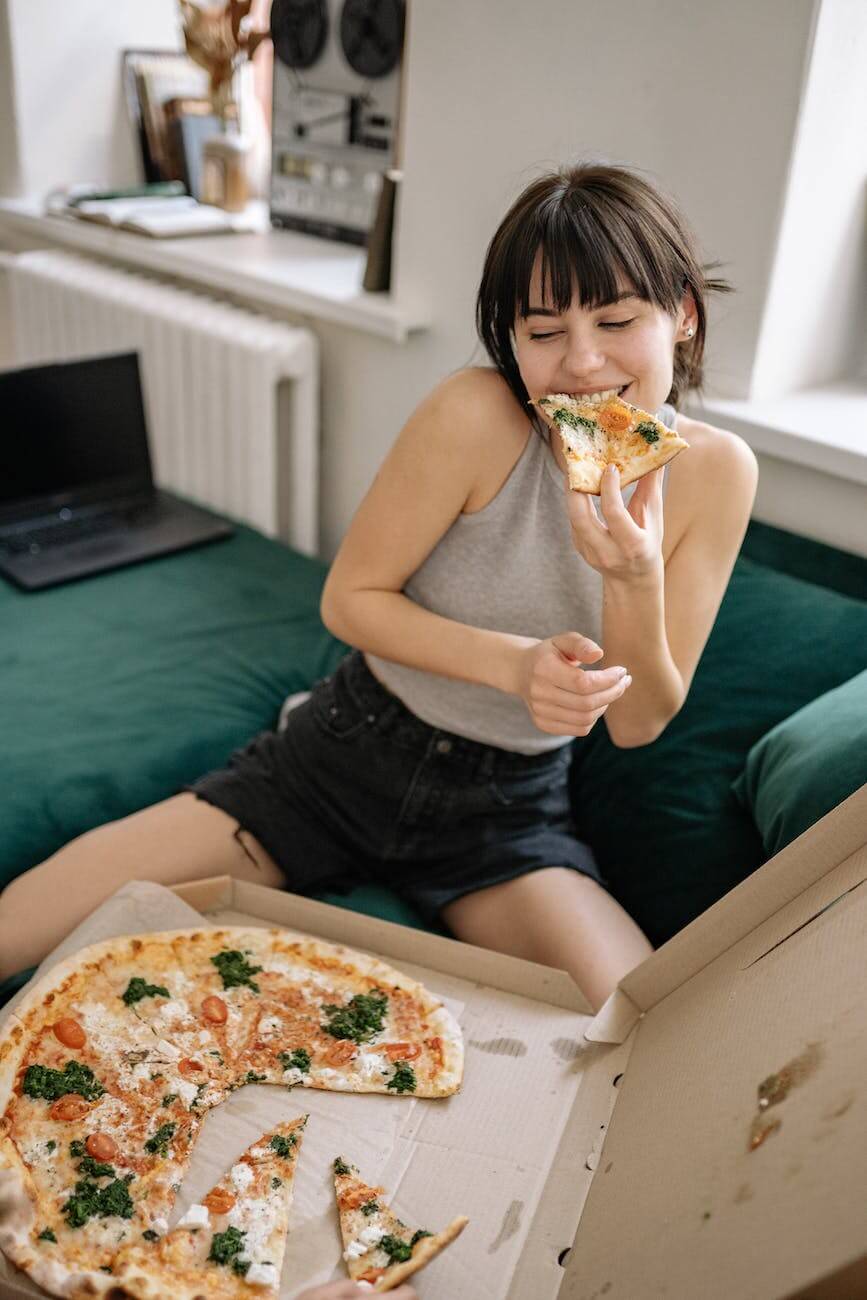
(76, 489)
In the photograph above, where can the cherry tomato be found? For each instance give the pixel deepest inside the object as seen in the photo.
(215, 1010)
(70, 1033)
(101, 1146)
(219, 1201)
(342, 1051)
(401, 1051)
(188, 1066)
(69, 1107)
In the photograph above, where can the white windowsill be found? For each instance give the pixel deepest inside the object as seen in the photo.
(269, 269)
(823, 429)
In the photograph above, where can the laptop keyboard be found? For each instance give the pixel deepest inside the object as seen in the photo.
(61, 534)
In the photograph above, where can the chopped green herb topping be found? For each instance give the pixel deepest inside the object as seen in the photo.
(403, 1079)
(417, 1236)
(341, 1167)
(297, 1060)
(369, 1207)
(226, 1245)
(169, 1098)
(648, 431)
(93, 1169)
(90, 1200)
(235, 970)
(76, 1148)
(252, 1077)
(398, 1251)
(562, 416)
(50, 1145)
(43, 1081)
(276, 1182)
(150, 1235)
(105, 1268)
(47, 1235)
(158, 1145)
(241, 1266)
(139, 988)
(360, 1020)
(283, 1145)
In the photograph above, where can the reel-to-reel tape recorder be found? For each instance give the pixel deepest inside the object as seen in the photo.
(336, 100)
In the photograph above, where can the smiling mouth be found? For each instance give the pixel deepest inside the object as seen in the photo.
(603, 395)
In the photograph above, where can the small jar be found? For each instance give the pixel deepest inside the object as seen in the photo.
(224, 172)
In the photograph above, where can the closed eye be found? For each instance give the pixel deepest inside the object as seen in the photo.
(616, 324)
(552, 335)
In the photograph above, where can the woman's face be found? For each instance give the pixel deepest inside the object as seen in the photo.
(626, 345)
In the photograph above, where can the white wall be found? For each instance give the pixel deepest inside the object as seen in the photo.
(820, 265)
(68, 113)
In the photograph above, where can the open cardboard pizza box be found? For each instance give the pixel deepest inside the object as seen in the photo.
(704, 1135)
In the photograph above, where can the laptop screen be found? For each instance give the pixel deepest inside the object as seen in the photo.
(71, 434)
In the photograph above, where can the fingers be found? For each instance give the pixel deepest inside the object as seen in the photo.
(565, 715)
(564, 685)
(576, 647)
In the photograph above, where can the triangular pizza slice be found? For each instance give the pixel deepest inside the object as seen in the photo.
(232, 1244)
(602, 430)
(379, 1249)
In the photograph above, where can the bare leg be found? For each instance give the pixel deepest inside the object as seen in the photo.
(182, 838)
(556, 917)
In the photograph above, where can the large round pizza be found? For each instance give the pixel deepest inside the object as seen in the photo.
(109, 1065)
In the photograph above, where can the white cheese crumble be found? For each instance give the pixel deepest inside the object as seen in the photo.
(161, 1225)
(186, 1090)
(294, 1075)
(196, 1217)
(270, 1025)
(168, 1049)
(371, 1235)
(242, 1176)
(262, 1275)
(175, 1007)
(355, 1250)
(370, 1064)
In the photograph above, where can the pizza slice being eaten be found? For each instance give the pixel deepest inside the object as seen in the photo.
(379, 1249)
(602, 430)
(232, 1244)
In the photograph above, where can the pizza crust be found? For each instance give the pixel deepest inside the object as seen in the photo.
(423, 1252)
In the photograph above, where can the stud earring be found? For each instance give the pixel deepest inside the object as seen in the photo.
(689, 331)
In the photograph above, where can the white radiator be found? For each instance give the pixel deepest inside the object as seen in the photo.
(230, 396)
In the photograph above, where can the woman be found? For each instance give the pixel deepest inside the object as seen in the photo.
(496, 616)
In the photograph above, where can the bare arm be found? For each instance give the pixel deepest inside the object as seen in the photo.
(657, 622)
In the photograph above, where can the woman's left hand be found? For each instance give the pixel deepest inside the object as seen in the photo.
(627, 543)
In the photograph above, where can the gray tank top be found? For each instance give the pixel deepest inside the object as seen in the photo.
(509, 567)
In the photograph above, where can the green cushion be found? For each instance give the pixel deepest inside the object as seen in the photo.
(669, 834)
(807, 764)
(121, 688)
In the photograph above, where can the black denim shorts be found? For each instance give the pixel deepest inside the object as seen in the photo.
(357, 790)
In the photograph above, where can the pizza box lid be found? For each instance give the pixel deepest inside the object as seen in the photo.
(630, 1153)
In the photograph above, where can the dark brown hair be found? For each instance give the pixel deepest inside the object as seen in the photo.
(592, 221)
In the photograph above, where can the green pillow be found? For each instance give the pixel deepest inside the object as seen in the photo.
(668, 833)
(806, 765)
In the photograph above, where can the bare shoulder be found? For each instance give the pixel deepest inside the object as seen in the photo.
(719, 469)
(714, 446)
(474, 400)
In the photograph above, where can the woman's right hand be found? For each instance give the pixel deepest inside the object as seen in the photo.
(564, 699)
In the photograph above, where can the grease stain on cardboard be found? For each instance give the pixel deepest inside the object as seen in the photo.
(511, 1224)
(501, 1046)
(775, 1089)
